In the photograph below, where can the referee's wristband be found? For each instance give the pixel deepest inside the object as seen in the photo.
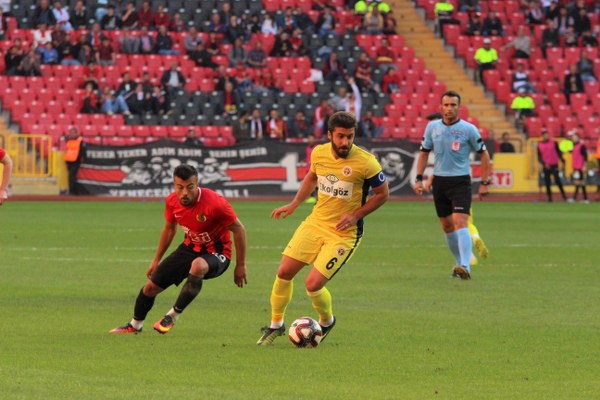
(486, 182)
(419, 178)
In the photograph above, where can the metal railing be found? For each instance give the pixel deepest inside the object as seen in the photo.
(32, 155)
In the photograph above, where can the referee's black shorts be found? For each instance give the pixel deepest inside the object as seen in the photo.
(176, 267)
(452, 194)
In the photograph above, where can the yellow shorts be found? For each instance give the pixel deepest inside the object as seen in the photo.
(326, 250)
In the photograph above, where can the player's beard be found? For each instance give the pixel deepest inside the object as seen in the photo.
(341, 152)
(188, 200)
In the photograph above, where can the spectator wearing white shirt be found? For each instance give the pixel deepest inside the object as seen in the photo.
(62, 16)
(41, 36)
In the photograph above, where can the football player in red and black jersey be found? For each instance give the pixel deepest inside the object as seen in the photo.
(6, 168)
(208, 221)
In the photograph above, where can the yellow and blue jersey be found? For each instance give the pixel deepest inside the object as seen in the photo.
(343, 184)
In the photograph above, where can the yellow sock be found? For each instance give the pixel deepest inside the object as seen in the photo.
(321, 302)
(281, 295)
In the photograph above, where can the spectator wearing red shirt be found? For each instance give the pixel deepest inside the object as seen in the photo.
(89, 100)
(276, 129)
(390, 82)
(364, 73)
(385, 56)
(209, 221)
(145, 15)
(161, 17)
(105, 54)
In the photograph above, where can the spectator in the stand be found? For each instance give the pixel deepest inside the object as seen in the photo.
(297, 46)
(222, 77)
(216, 24)
(91, 76)
(338, 100)
(173, 80)
(161, 18)
(79, 15)
(573, 83)
(213, 43)
(139, 103)
(523, 106)
(390, 82)
(243, 77)
(164, 44)
(363, 74)
(319, 5)
(360, 8)
(145, 15)
(89, 100)
(303, 21)
(241, 127)
(41, 36)
(87, 55)
(201, 57)
(177, 23)
(553, 10)
(130, 44)
(110, 21)
(255, 26)
(100, 10)
(352, 103)
(368, 128)
(380, 5)
(475, 26)
(582, 22)
(244, 24)
(95, 36)
(389, 24)
(257, 125)
(492, 25)
(534, 14)
(43, 15)
(105, 54)
(323, 109)
(586, 67)
(385, 56)
(237, 53)
(588, 39)
(112, 103)
(486, 58)
(257, 56)
(299, 127)
(30, 66)
(61, 16)
(469, 6)
(282, 45)
(505, 145)
(444, 12)
(326, 23)
(521, 44)
(129, 18)
(570, 37)
(550, 36)
(275, 127)
(286, 20)
(520, 79)
(229, 102)
(191, 138)
(159, 101)
(234, 30)
(147, 82)
(333, 70)
(58, 36)
(373, 22)
(563, 21)
(269, 26)
(191, 39)
(127, 86)
(12, 60)
(225, 12)
(49, 55)
(264, 82)
(146, 41)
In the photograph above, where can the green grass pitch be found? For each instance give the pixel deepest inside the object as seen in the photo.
(525, 327)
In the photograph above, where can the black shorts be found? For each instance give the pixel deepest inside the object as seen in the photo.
(176, 267)
(452, 194)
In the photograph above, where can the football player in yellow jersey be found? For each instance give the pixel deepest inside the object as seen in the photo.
(328, 237)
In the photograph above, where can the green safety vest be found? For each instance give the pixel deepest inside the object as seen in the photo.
(520, 103)
(486, 56)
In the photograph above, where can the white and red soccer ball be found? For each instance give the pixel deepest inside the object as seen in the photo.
(305, 332)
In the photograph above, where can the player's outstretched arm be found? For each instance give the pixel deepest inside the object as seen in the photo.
(239, 240)
(166, 237)
(306, 188)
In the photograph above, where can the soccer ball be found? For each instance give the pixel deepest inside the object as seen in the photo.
(305, 332)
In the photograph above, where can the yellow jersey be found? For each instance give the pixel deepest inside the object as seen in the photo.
(343, 184)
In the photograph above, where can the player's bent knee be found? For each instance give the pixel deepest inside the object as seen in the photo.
(199, 267)
(151, 289)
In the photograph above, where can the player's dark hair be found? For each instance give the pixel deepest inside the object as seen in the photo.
(450, 93)
(185, 172)
(341, 119)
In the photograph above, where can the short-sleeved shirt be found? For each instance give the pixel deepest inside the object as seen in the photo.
(451, 146)
(2, 153)
(204, 223)
(343, 184)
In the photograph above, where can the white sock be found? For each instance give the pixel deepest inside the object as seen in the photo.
(276, 325)
(326, 323)
(174, 314)
(136, 324)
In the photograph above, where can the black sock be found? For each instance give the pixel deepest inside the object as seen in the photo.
(189, 291)
(143, 304)
(576, 192)
(584, 191)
